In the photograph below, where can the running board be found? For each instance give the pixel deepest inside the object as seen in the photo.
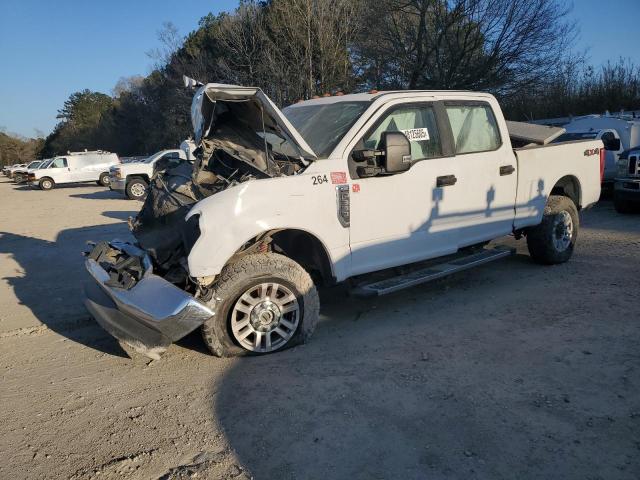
(432, 272)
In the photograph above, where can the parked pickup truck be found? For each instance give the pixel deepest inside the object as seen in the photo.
(340, 188)
(133, 178)
(21, 174)
(8, 171)
(626, 191)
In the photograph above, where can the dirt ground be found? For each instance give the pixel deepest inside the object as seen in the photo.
(511, 370)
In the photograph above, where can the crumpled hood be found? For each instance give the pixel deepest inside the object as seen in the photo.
(203, 113)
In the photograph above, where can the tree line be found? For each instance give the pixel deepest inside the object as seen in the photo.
(519, 50)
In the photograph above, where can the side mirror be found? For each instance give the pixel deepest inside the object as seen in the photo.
(611, 143)
(397, 152)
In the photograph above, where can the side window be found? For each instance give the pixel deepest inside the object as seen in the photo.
(474, 128)
(59, 163)
(419, 126)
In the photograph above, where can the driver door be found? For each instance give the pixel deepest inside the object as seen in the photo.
(405, 217)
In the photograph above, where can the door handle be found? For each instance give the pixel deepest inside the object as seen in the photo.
(446, 180)
(507, 170)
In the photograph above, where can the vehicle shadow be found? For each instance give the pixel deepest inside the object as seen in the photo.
(51, 277)
(102, 194)
(389, 387)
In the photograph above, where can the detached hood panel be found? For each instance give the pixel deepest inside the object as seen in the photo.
(262, 111)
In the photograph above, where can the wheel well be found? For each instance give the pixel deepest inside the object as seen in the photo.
(300, 246)
(569, 186)
(141, 177)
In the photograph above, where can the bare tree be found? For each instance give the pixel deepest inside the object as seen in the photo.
(501, 45)
(170, 42)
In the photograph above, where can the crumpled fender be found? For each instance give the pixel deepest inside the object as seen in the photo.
(234, 216)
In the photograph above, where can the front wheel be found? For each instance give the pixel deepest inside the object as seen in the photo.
(46, 183)
(553, 240)
(262, 303)
(622, 205)
(136, 189)
(104, 179)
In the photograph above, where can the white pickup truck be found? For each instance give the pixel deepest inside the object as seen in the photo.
(133, 178)
(328, 190)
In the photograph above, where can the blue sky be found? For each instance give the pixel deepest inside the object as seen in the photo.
(52, 48)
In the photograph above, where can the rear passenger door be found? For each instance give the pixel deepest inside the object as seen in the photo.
(486, 176)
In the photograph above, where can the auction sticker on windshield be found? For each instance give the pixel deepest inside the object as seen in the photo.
(416, 134)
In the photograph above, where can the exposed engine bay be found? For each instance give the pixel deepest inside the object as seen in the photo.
(239, 141)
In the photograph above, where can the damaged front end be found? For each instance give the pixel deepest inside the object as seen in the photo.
(143, 294)
(133, 304)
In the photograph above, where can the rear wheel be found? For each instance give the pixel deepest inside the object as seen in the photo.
(262, 303)
(104, 179)
(136, 189)
(553, 240)
(46, 183)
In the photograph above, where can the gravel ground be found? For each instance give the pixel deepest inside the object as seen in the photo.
(511, 370)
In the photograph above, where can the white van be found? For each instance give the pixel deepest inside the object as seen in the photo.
(75, 167)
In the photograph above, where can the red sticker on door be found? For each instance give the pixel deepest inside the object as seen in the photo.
(338, 177)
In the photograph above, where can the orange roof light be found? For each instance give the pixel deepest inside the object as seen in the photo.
(326, 95)
(339, 94)
(373, 91)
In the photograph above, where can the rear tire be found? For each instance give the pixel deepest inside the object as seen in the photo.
(263, 303)
(621, 205)
(136, 189)
(104, 179)
(553, 240)
(46, 183)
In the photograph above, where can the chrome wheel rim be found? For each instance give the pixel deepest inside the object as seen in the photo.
(46, 184)
(562, 231)
(265, 317)
(137, 190)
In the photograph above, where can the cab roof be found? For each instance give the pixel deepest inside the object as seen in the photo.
(375, 94)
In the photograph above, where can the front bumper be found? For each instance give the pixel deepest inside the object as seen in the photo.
(627, 189)
(152, 314)
(118, 184)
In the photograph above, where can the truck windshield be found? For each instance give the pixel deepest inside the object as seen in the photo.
(572, 136)
(324, 125)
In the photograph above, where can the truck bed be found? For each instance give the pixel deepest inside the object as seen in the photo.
(541, 167)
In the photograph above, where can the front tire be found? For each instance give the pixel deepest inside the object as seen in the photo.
(46, 183)
(104, 179)
(136, 189)
(553, 240)
(263, 303)
(621, 205)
